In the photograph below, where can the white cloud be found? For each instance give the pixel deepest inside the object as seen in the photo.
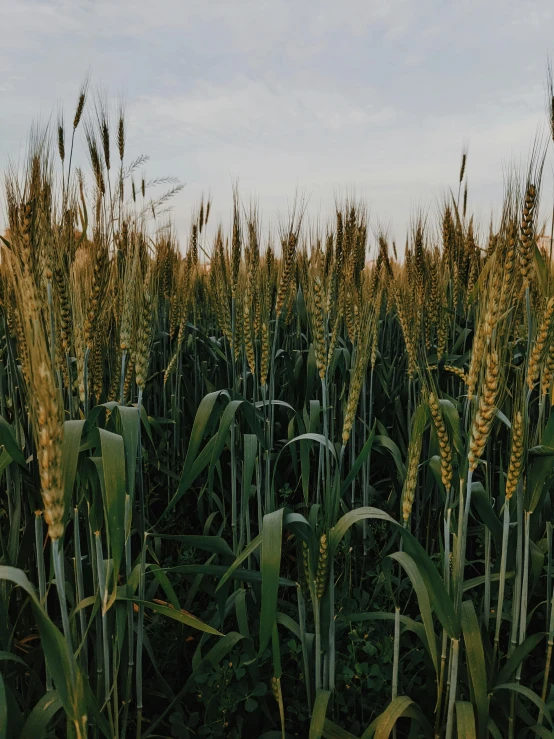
(260, 114)
(373, 96)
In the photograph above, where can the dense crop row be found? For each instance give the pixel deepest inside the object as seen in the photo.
(270, 487)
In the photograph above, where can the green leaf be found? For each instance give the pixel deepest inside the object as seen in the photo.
(58, 659)
(289, 623)
(440, 600)
(72, 433)
(362, 456)
(176, 615)
(465, 720)
(192, 468)
(541, 731)
(533, 697)
(400, 706)
(493, 730)
(476, 665)
(5, 461)
(423, 601)
(166, 586)
(250, 449)
(452, 418)
(221, 571)
(272, 534)
(332, 731)
(318, 714)
(319, 438)
(254, 544)
(227, 419)
(384, 442)
(517, 656)
(481, 502)
(36, 726)
(128, 425)
(214, 544)
(8, 441)
(349, 519)
(114, 488)
(474, 582)
(540, 469)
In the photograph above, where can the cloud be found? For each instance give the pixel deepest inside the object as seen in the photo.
(260, 114)
(374, 97)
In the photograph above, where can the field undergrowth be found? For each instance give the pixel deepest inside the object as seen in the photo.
(270, 487)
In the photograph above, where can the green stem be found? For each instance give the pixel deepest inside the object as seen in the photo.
(57, 558)
(502, 582)
(453, 688)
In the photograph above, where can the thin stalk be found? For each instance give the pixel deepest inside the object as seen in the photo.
(331, 648)
(396, 653)
(463, 540)
(548, 663)
(122, 380)
(442, 673)
(446, 577)
(502, 581)
(80, 587)
(142, 579)
(317, 627)
(516, 601)
(453, 688)
(100, 566)
(525, 587)
(327, 456)
(487, 593)
(304, 642)
(130, 618)
(140, 632)
(57, 558)
(233, 488)
(39, 539)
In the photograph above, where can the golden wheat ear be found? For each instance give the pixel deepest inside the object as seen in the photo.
(43, 397)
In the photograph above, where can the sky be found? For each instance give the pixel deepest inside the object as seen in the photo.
(372, 99)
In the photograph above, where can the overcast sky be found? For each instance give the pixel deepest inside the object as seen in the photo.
(329, 97)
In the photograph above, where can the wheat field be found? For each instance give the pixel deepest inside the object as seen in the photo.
(270, 487)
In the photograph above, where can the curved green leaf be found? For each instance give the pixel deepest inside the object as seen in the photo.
(400, 706)
(423, 601)
(254, 544)
(517, 656)
(176, 615)
(36, 726)
(527, 693)
(440, 600)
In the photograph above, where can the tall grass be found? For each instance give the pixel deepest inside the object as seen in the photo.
(263, 449)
